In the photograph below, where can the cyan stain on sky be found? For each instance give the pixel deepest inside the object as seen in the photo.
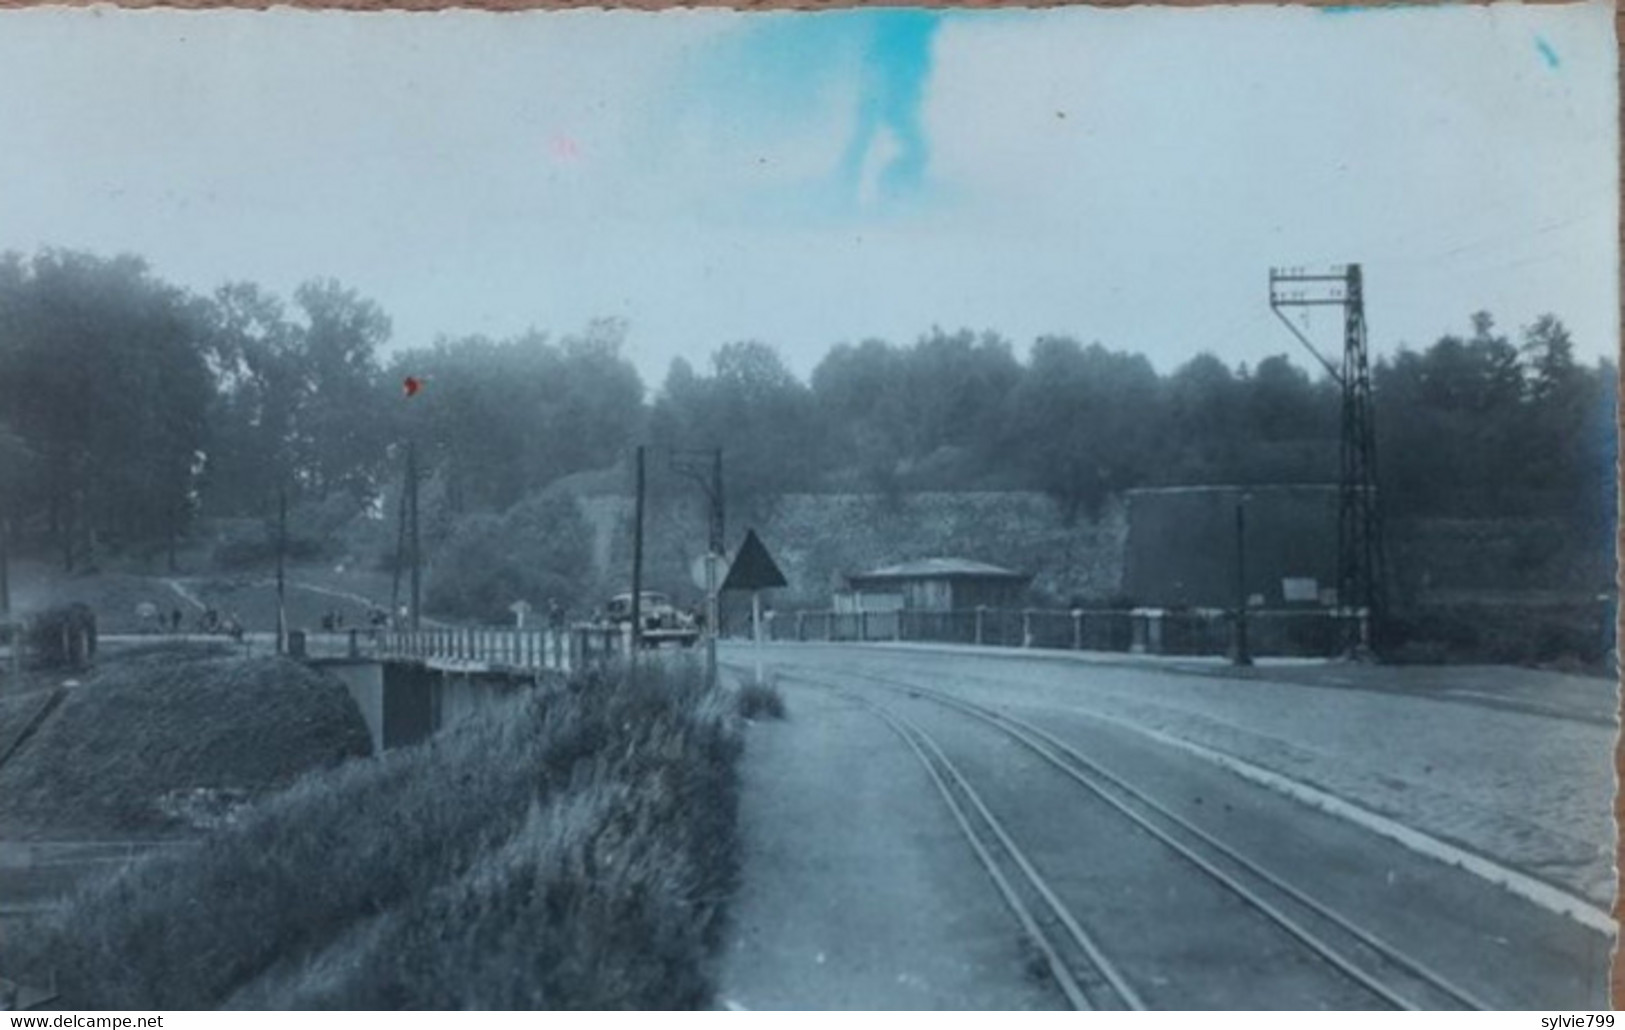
(779, 75)
(1547, 52)
(896, 67)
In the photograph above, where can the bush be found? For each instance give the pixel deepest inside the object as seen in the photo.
(63, 637)
(760, 700)
(539, 550)
(258, 551)
(1574, 635)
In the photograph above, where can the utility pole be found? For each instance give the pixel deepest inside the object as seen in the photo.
(400, 554)
(416, 539)
(637, 565)
(5, 568)
(281, 570)
(1243, 655)
(705, 467)
(1361, 596)
(14, 637)
(713, 570)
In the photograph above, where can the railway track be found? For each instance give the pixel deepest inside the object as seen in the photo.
(1354, 962)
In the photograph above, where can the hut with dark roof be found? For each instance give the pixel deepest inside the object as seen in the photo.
(938, 585)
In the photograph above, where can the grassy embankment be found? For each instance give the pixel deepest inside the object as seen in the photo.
(128, 750)
(572, 849)
(312, 591)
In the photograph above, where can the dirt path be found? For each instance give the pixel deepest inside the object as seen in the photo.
(858, 892)
(185, 593)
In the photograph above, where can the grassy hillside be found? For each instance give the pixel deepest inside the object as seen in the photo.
(312, 591)
(571, 849)
(151, 743)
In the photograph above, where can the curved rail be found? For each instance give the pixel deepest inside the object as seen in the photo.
(1389, 952)
(1067, 971)
(1087, 773)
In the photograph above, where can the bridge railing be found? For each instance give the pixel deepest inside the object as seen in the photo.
(1303, 633)
(565, 650)
(495, 647)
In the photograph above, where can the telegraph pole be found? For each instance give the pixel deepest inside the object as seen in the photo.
(5, 568)
(400, 554)
(1243, 655)
(713, 565)
(282, 570)
(1361, 596)
(637, 563)
(705, 467)
(416, 540)
(13, 633)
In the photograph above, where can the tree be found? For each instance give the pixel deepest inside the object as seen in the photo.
(340, 419)
(595, 403)
(859, 393)
(257, 437)
(1568, 445)
(753, 407)
(1083, 422)
(502, 419)
(1203, 434)
(539, 550)
(103, 378)
(1458, 425)
(17, 474)
(955, 388)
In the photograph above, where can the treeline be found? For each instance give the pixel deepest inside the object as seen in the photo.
(130, 408)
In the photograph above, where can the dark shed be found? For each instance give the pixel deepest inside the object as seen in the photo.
(939, 584)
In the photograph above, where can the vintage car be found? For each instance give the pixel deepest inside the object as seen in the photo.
(662, 621)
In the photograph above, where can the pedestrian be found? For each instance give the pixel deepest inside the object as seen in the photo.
(175, 620)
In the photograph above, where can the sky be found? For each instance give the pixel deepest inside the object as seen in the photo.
(1121, 176)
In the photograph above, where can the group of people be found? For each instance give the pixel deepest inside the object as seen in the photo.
(211, 621)
(377, 621)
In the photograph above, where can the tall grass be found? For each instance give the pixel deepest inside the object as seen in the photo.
(760, 701)
(572, 849)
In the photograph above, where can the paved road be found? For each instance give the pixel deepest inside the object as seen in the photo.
(1522, 799)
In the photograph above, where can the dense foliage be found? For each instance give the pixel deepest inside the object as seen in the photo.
(129, 408)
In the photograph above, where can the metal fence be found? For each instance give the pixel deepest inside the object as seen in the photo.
(1306, 633)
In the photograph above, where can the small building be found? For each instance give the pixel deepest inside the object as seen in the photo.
(934, 585)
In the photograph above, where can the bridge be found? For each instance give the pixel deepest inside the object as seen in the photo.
(410, 684)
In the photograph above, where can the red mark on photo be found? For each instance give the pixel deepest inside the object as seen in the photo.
(565, 148)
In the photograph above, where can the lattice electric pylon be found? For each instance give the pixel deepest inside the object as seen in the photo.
(1360, 556)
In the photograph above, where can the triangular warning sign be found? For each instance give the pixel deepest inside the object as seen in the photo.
(753, 568)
